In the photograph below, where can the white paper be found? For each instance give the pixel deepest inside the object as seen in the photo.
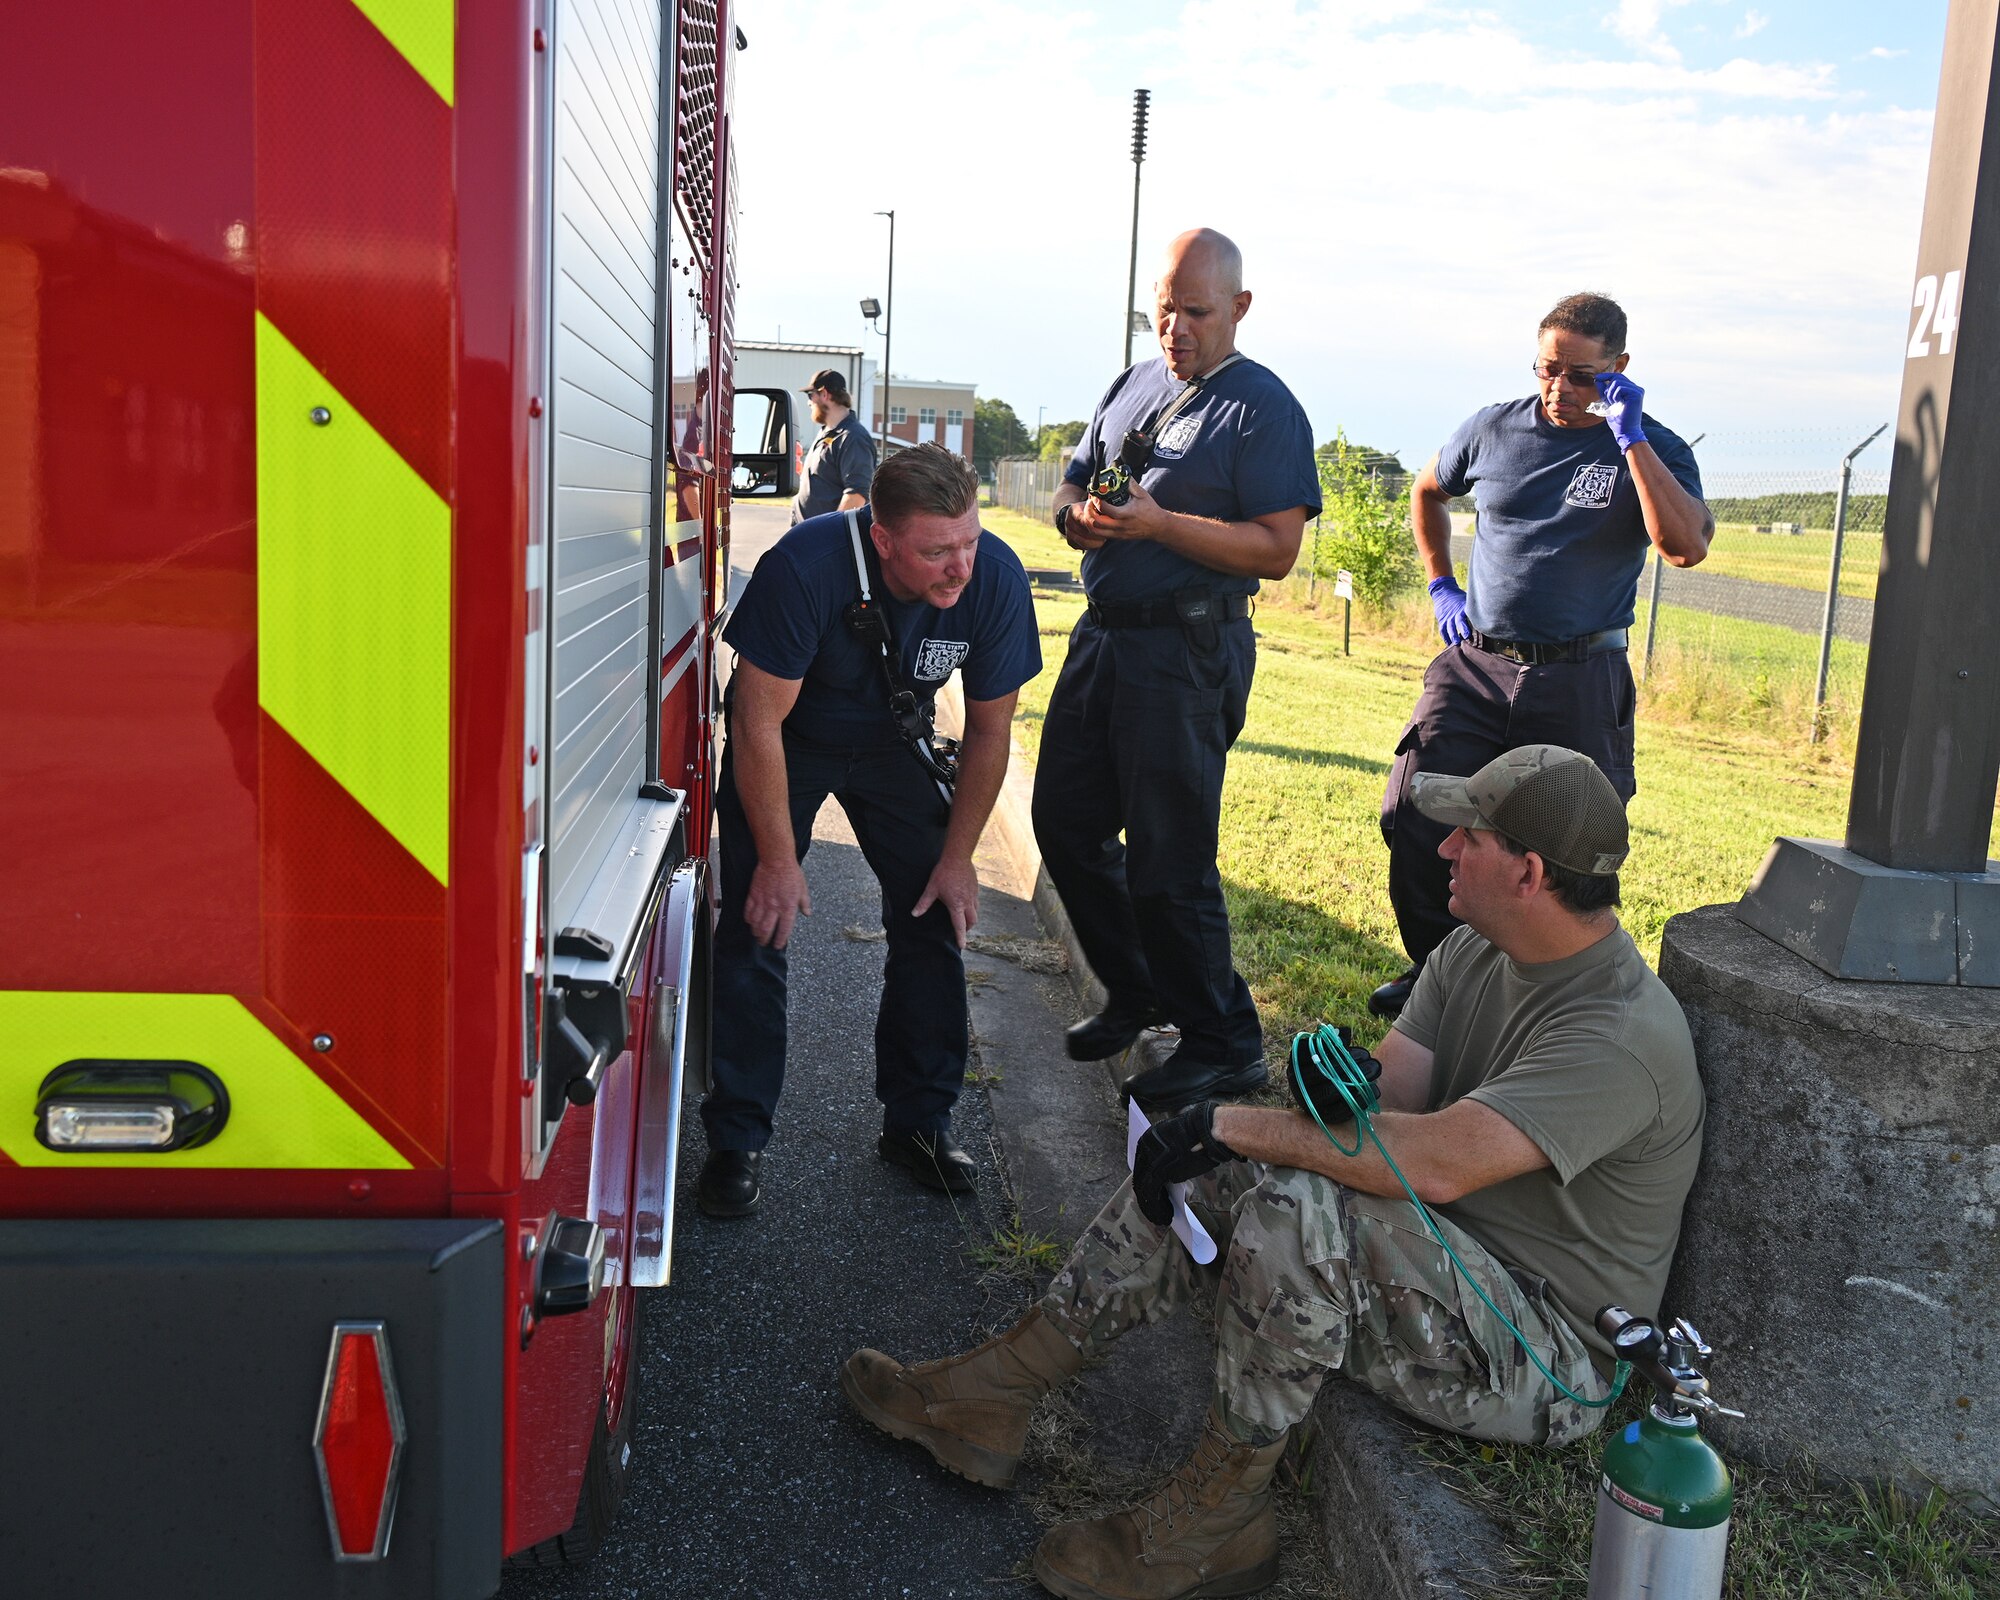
(1343, 585)
(1186, 1225)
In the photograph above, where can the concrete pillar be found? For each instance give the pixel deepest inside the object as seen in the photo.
(1911, 895)
(1842, 1244)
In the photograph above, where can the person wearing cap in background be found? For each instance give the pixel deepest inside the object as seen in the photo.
(1570, 501)
(841, 462)
(1539, 1095)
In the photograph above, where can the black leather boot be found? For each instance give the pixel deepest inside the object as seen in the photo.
(1391, 997)
(728, 1186)
(1107, 1034)
(1178, 1082)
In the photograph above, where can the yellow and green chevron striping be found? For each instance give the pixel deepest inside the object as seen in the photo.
(353, 602)
(422, 32)
(281, 1114)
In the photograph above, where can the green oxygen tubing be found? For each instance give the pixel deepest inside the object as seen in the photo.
(1324, 1053)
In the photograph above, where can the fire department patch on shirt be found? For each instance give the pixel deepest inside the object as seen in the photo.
(1177, 440)
(937, 657)
(1592, 486)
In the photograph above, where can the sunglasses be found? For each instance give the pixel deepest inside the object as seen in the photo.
(1582, 377)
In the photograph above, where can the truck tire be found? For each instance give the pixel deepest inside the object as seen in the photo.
(609, 1465)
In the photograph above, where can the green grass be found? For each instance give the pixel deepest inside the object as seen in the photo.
(1798, 561)
(1755, 676)
(1793, 1535)
(1017, 1255)
(1302, 858)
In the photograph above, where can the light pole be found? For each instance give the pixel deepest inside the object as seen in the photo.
(1140, 97)
(889, 323)
(871, 311)
(1040, 412)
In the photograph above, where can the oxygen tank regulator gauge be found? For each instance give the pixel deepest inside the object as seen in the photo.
(1664, 1495)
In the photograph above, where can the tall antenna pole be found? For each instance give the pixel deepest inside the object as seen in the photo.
(1139, 99)
(888, 330)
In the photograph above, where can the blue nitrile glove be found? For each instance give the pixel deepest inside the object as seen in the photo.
(1624, 402)
(1448, 601)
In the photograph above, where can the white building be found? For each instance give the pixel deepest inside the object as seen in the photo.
(762, 365)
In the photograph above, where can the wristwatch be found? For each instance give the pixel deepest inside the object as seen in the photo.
(1062, 520)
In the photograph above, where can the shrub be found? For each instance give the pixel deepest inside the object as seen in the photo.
(1363, 528)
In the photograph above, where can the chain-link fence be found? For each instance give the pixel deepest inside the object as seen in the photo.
(1785, 602)
(1024, 484)
(1773, 626)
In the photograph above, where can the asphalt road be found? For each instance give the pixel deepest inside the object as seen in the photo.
(750, 1475)
(1801, 610)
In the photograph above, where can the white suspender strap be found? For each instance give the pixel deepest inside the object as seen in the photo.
(860, 556)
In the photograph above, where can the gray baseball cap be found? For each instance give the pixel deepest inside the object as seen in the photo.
(1554, 801)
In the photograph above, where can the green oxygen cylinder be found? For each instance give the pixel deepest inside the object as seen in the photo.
(1664, 1495)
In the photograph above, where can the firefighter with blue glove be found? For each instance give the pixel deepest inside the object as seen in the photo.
(1575, 484)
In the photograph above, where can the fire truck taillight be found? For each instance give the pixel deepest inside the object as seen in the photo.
(359, 1441)
(130, 1105)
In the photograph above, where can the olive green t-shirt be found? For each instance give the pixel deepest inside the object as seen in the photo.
(1590, 1057)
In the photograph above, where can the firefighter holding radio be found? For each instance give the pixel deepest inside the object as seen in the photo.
(1193, 481)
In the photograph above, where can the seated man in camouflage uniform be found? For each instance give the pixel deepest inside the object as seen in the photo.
(1539, 1093)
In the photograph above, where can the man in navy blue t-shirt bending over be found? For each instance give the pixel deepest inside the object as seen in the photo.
(1570, 499)
(809, 716)
(1153, 692)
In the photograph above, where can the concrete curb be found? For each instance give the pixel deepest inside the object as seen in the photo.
(1391, 1529)
(1010, 835)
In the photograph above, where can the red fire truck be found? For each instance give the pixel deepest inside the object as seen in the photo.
(365, 406)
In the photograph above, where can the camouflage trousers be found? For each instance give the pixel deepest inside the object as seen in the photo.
(1311, 1278)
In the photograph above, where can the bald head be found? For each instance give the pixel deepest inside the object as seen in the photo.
(1199, 299)
(1204, 252)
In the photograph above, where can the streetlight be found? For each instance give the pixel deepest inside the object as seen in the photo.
(889, 319)
(1040, 412)
(871, 310)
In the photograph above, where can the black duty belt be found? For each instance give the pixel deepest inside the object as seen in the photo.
(1178, 611)
(1530, 654)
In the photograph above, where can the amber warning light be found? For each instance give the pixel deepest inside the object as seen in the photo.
(359, 1441)
(130, 1105)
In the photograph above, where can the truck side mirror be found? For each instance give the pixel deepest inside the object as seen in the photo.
(764, 443)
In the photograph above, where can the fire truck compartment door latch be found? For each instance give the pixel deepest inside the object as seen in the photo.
(569, 1268)
(599, 951)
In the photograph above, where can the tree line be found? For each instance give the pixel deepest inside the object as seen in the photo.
(1865, 512)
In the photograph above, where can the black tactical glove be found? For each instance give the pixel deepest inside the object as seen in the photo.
(1174, 1150)
(1311, 1087)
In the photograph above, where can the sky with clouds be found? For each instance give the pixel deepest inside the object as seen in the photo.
(1412, 185)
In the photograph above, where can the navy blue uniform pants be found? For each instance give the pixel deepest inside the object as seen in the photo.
(920, 1025)
(1477, 705)
(1138, 731)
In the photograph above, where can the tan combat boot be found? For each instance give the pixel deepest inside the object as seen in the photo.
(969, 1411)
(1210, 1531)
